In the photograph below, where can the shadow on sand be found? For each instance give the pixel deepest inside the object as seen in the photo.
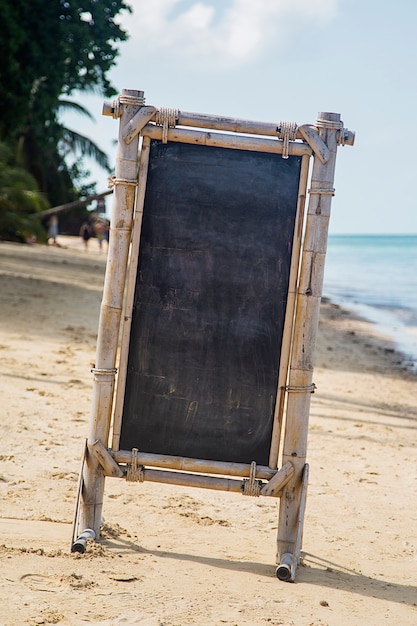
(313, 570)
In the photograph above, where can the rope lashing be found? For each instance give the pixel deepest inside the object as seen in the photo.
(131, 100)
(322, 191)
(128, 100)
(112, 181)
(251, 486)
(343, 133)
(300, 389)
(134, 472)
(287, 131)
(167, 118)
(104, 375)
(329, 124)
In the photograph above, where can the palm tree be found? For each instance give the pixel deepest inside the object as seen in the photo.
(39, 175)
(45, 151)
(20, 199)
(72, 142)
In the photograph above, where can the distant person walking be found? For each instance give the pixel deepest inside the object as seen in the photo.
(100, 232)
(53, 230)
(85, 234)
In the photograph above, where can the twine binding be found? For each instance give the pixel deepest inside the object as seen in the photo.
(167, 118)
(135, 472)
(251, 486)
(112, 181)
(300, 389)
(287, 131)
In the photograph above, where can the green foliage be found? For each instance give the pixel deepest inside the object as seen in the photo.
(53, 48)
(70, 141)
(20, 200)
(48, 50)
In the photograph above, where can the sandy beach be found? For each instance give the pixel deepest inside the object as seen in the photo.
(176, 556)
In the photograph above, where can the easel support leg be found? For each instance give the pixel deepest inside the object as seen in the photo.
(289, 561)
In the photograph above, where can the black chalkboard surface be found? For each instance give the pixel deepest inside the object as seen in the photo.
(209, 302)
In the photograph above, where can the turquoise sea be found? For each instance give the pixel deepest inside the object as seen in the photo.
(376, 276)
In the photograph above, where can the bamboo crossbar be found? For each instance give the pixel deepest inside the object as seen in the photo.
(105, 459)
(221, 140)
(251, 127)
(305, 132)
(186, 464)
(196, 480)
(278, 482)
(231, 124)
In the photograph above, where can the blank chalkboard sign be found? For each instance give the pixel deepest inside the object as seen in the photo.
(209, 304)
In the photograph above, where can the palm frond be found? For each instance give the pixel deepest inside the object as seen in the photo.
(71, 105)
(74, 142)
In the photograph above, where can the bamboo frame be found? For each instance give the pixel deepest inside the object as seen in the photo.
(304, 340)
(185, 464)
(110, 315)
(226, 142)
(289, 317)
(130, 292)
(195, 480)
(220, 140)
(235, 125)
(289, 560)
(294, 384)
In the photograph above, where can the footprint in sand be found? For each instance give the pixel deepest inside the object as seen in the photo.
(38, 582)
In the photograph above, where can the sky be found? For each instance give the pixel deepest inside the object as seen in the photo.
(285, 60)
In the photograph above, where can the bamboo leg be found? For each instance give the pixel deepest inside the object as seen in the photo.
(288, 564)
(306, 322)
(110, 313)
(78, 496)
(80, 543)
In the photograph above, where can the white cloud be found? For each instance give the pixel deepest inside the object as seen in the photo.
(230, 32)
(198, 16)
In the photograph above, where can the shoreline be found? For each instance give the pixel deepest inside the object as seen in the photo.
(184, 556)
(372, 333)
(372, 276)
